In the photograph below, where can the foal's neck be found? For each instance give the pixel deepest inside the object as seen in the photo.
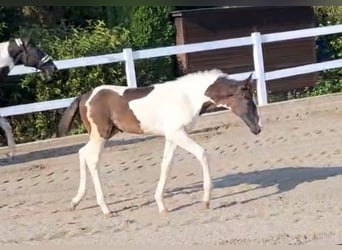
(195, 86)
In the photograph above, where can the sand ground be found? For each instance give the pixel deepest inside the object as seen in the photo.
(283, 186)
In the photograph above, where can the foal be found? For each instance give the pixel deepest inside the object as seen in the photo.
(22, 51)
(170, 109)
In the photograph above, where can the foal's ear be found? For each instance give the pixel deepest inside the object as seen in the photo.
(249, 83)
(27, 38)
(249, 78)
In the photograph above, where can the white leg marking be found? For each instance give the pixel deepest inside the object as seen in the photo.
(181, 139)
(4, 124)
(94, 150)
(169, 150)
(82, 153)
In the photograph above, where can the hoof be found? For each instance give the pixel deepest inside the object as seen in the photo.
(164, 212)
(9, 157)
(72, 206)
(109, 214)
(206, 205)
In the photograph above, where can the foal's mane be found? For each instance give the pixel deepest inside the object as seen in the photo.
(205, 76)
(212, 72)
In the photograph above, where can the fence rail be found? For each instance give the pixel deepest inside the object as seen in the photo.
(128, 56)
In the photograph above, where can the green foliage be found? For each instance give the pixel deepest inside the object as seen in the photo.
(73, 32)
(52, 16)
(330, 81)
(95, 39)
(328, 48)
(9, 21)
(151, 27)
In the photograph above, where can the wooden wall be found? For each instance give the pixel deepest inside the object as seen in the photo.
(222, 23)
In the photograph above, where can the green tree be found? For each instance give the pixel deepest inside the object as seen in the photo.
(94, 39)
(72, 32)
(328, 48)
(151, 27)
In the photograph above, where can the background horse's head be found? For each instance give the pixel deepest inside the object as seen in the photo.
(238, 96)
(25, 51)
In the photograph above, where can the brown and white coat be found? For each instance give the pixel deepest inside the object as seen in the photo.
(169, 109)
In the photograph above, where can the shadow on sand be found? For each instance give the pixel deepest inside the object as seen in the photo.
(72, 149)
(284, 179)
(66, 150)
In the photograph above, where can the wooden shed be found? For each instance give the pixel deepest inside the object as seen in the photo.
(211, 24)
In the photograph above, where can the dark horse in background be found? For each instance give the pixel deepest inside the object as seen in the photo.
(22, 51)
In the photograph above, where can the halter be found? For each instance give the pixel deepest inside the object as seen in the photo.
(42, 61)
(18, 41)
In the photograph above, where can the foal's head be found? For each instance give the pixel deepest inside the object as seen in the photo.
(238, 96)
(25, 51)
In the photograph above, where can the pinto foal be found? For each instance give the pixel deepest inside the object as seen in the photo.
(22, 51)
(169, 109)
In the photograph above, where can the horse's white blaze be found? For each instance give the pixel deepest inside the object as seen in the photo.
(259, 122)
(5, 58)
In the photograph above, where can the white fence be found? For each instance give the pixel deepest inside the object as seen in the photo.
(128, 56)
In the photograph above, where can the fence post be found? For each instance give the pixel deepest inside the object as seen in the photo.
(259, 68)
(129, 68)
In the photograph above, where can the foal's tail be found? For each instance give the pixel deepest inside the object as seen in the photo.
(69, 114)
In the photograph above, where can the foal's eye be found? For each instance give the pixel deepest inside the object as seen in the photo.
(247, 95)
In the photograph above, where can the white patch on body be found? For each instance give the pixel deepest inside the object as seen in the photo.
(169, 107)
(5, 58)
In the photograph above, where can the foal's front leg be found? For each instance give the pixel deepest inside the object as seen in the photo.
(182, 139)
(169, 150)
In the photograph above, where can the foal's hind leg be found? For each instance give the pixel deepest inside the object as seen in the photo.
(95, 147)
(184, 141)
(90, 155)
(9, 136)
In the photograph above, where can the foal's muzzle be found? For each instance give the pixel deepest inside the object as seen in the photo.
(253, 124)
(256, 131)
(48, 69)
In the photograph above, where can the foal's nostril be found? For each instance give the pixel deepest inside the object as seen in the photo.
(257, 131)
